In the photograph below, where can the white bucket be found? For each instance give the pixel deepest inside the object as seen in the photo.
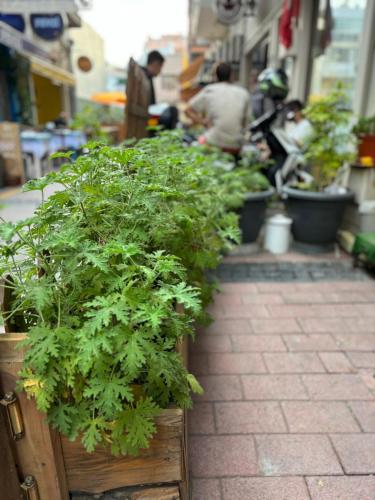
(277, 236)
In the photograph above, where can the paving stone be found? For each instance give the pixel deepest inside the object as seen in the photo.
(276, 287)
(335, 311)
(313, 342)
(313, 416)
(288, 362)
(223, 299)
(323, 325)
(336, 362)
(262, 298)
(249, 417)
(355, 342)
(239, 288)
(210, 343)
(229, 327)
(218, 456)
(365, 414)
(201, 419)
(356, 452)
(362, 359)
(361, 325)
(264, 488)
(368, 377)
(244, 311)
(236, 363)
(261, 343)
(273, 387)
(198, 363)
(220, 388)
(293, 454)
(291, 311)
(304, 298)
(277, 326)
(206, 489)
(336, 387)
(342, 487)
(366, 309)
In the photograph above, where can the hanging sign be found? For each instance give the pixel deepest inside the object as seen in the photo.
(47, 26)
(228, 11)
(15, 20)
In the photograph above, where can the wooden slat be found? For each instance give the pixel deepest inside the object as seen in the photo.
(10, 485)
(100, 471)
(167, 493)
(39, 452)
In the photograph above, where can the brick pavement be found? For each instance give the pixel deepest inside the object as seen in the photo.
(288, 411)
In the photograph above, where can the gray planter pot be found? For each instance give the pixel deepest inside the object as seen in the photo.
(316, 216)
(252, 214)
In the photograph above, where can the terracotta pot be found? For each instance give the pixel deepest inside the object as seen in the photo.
(366, 146)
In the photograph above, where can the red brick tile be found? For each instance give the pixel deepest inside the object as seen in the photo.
(336, 387)
(201, 419)
(288, 362)
(252, 343)
(265, 488)
(365, 414)
(293, 454)
(366, 309)
(314, 342)
(206, 489)
(276, 287)
(223, 299)
(198, 363)
(244, 311)
(236, 363)
(276, 387)
(304, 298)
(361, 325)
(220, 388)
(335, 311)
(229, 327)
(238, 288)
(336, 362)
(345, 297)
(291, 311)
(342, 487)
(211, 343)
(314, 416)
(367, 287)
(262, 298)
(362, 359)
(355, 342)
(216, 456)
(367, 376)
(278, 326)
(249, 417)
(356, 452)
(323, 325)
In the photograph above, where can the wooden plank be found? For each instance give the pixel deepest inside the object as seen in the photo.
(10, 485)
(39, 452)
(138, 100)
(100, 471)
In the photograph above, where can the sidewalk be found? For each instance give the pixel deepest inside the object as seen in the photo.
(288, 411)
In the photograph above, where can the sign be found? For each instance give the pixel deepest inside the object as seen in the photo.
(10, 150)
(42, 6)
(47, 26)
(228, 11)
(15, 20)
(84, 64)
(19, 42)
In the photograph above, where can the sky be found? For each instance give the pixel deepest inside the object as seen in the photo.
(126, 24)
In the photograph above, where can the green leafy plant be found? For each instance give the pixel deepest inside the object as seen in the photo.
(364, 126)
(330, 144)
(89, 120)
(250, 170)
(96, 275)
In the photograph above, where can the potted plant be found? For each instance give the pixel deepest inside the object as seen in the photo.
(92, 282)
(365, 133)
(317, 208)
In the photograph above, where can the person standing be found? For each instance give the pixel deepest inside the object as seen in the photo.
(152, 69)
(223, 108)
(301, 129)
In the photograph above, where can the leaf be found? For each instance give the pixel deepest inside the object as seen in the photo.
(194, 384)
(61, 154)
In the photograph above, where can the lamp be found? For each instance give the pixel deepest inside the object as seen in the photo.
(229, 10)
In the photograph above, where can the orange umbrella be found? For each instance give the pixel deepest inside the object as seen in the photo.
(109, 98)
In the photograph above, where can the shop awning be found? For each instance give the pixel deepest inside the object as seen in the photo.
(21, 43)
(190, 75)
(52, 72)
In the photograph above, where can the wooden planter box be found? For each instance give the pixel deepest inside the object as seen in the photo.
(60, 466)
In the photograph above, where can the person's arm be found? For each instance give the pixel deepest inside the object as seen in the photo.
(197, 108)
(196, 117)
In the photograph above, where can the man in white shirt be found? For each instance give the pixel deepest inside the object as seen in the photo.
(300, 128)
(223, 108)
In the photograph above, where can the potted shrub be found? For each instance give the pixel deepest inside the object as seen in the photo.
(365, 133)
(317, 208)
(93, 281)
